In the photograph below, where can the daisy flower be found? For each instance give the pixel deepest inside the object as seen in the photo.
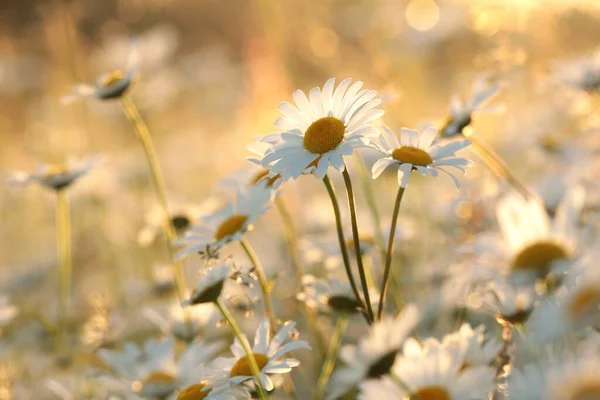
(415, 151)
(582, 73)
(55, 176)
(462, 111)
(267, 352)
(375, 354)
(154, 371)
(434, 375)
(110, 85)
(331, 294)
(226, 225)
(321, 129)
(535, 244)
(182, 216)
(574, 307)
(570, 375)
(173, 320)
(210, 287)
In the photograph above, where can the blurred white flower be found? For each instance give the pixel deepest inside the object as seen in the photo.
(329, 294)
(211, 285)
(582, 73)
(56, 176)
(226, 225)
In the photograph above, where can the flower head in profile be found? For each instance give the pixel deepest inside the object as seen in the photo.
(267, 352)
(374, 355)
(331, 294)
(156, 370)
(582, 73)
(110, 85)
(437, 374)
(462, 111)
(417, 151)
(226, 225)
(321, 129)
(210, 287)
(55, 176)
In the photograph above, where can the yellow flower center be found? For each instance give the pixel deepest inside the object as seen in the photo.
(431, 393)
(112, 78)
(589, 391)
(539, 257)
(412, 155)
(262, 174)
(194, 392)
(230, 226)
(159, 377)
(583, 302)
(242, 366)
(324, 135)
(56, 169)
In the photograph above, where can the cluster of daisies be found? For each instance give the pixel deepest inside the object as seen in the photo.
(521, 296)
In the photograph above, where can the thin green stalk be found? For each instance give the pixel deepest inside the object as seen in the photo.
(132, 113)
(356, 236)
(291, 238)
(265, 285)
(390, 251)
(332, 355)
(367, 186)
(292, 241)
(343, 249)
(246, 346)
(65, 271)
(498, 166)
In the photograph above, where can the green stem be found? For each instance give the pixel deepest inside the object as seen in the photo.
(133, 114)
(367, 186)
(65, 272)
(356, 236)
(292, 241)
(332, 353)
(343, 249)
(265, 285)
(390, 251)
(498, 166)
(245, 345)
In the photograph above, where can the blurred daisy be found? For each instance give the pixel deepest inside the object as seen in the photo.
(330, 294)
(582, 73)
(210, 287)
(7, 311)
(267, 352)
(572, 375)
(108, 86)
(462, 111)
(252, 173)
(317, 133)
(479, 349)
(226, 225)
(200, 391)
(574, 307)
(154, 371)
(182, 217)
(434, 375)
(415, 151)
(55, 176)
(534, 244)
(172, 322)
(375, 353)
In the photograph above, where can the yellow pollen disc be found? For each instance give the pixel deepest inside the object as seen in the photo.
(412, 155)
(194, 392)
(262, 174)
(242, 366)
(539, 257)
(324, 135)
(584, 301)
(431, 393)
(56, 169)
(159, 377)
(230, 226)
(113, 78)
